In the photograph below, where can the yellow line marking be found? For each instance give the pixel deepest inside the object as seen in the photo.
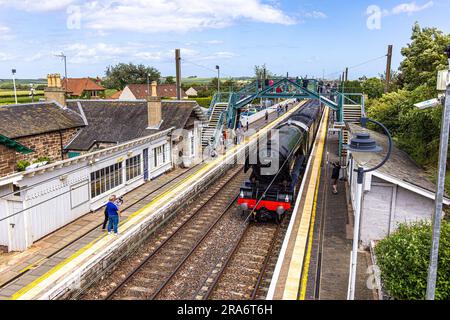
(310, 242)
(291, 289)
(128, 221)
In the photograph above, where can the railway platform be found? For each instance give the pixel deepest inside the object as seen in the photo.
(74, 256)
(315, 258)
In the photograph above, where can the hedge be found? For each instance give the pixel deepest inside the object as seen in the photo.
(403, 259)
(203, 102)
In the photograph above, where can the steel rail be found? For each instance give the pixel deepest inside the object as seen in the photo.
(41, 261)
(193, 249)
(161, 245)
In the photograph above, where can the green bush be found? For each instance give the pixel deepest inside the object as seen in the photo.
(203, 102)
(42, 159)
(22, 165)
(403, 259)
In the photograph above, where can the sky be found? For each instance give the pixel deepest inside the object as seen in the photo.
(299, 37)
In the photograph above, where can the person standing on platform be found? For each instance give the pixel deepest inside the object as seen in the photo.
(267, 116)
(113, 215)
(335, 176)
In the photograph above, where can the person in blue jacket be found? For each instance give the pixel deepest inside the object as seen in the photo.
(113, 215)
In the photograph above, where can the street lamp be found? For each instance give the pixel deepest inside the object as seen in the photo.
(362, 148)
(218, 79)
(13, 71)
(436, 220)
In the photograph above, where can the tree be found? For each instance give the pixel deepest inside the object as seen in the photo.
(169, 80)
(373, 87)
(259, 72)
(403, 259)
(424, 57)
(122, 74)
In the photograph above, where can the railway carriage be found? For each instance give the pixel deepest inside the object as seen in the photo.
(269, 195)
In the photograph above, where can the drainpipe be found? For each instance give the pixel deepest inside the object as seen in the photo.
(61, 144)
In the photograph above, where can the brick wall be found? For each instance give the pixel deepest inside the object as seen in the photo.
(44, 145)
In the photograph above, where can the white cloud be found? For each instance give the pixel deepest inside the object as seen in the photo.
(39, 6)
(83, 53)
(5, 33)
(154, 16)
(214, 42)
(410, 8)
(5, 56)
(219, 56)
(316, 15)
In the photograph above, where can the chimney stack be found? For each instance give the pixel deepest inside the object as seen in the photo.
(54, 90)
(154, 111)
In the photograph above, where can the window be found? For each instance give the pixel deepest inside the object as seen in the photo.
(192, 140)
(106, 179)
(133, 167)
(160, 155)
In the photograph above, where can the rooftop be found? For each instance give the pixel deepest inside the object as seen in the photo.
(399, 166)
(117, 121)
(140, 91)
(76, 86)
(23, 120)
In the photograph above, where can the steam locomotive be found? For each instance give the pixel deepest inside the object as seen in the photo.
(277, 168)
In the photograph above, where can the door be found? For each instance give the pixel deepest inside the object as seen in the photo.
(145, 153)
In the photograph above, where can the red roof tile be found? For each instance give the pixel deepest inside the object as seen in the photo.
(163, 90)
(76, 86)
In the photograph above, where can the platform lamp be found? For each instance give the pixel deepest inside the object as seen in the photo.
(218, 79)
(362, 147)
(13, 71)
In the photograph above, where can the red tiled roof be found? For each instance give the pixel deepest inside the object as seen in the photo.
(163, 90)
(115, 95)
(76, 86)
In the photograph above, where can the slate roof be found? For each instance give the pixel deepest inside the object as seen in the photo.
(117, 121)
(399, 166)
(76, 86)
(140, 91)
(23, 120)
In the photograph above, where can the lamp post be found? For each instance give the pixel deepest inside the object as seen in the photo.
(362, 147)
(13, 71)
(436, 220)
(218, 79)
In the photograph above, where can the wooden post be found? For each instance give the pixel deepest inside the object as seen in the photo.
(388, 67)
(178, 72)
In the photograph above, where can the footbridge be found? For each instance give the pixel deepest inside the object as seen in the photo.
(226, 107)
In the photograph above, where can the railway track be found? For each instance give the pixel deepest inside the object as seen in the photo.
(147, 197)
(246, 272)
(149, 278)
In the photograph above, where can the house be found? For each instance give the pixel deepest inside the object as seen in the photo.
(113, 147)
(398, 192)
(111, 122)
(35, 130)
(83, 87)
(140, 91)
(115, 95)
(191, 92)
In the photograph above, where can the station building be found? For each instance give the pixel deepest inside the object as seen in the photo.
(113, 147)
(398, 192)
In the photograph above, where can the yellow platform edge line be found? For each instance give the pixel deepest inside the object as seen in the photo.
(17, 295)
(292, 284)
(304, 276)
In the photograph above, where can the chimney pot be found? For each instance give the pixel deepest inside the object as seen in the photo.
(154, 89)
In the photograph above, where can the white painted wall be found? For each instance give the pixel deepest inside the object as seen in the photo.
(386, 205)
(127, 94)
(56, 197)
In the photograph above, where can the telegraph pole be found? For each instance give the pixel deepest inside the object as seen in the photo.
(388, 68)
(437, 215)
(178, 72)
